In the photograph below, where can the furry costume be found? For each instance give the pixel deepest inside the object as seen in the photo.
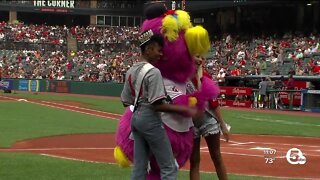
(182, 42)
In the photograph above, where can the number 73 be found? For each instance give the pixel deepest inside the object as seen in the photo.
(269, 160)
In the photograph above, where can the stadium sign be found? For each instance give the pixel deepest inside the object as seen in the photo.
(6, 84)
(55, 3)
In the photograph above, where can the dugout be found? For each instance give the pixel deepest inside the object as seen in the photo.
(306, 95)
(310, 100)
(253, 80)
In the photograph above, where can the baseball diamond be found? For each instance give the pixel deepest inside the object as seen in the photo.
(159, 89)
(244, 154)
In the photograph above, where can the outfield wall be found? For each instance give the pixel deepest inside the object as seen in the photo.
(230, 96)
(75, 87)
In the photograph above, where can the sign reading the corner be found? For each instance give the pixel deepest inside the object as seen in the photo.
(55, 3)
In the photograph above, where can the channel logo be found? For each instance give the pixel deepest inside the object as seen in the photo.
(295, 156)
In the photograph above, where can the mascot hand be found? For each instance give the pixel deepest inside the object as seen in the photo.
(190, 101)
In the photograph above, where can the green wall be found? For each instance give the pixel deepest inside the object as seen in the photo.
(75, 87)
(95, 88)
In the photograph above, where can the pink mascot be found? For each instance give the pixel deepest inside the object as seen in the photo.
(182, 42)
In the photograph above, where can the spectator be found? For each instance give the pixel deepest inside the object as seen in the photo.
(221, 76)
(292, 72)
(60, 76)
(262, 93)
(42, 49)
(290, 84)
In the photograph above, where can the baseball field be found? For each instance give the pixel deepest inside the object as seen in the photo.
(66, 136)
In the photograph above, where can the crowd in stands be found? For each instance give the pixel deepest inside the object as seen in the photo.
(84, 65)
(109, 62)
(105, 53)
(265, 55)
(98, 35)
(32, 33)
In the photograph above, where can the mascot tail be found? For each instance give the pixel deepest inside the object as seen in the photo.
(123, 152)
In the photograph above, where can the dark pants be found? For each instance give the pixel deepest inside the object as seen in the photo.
(150, 137)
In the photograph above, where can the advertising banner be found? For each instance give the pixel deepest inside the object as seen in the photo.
(29, 85)
(55, 3)
(235, 90)
(23, 85)
(62, 87)
(6, 84)
(59, 86)
(233, 103)
(33, 85)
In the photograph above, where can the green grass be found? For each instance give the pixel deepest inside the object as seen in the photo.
(24, 166)
(272, 124)
(22, 120)
(102, 104)
(242, 122)
(16, 166)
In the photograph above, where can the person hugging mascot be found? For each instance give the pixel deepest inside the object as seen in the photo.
(182, 42)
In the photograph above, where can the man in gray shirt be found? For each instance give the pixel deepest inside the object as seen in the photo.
(263, 85)
(146, 125)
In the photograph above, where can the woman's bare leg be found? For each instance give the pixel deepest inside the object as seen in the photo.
(213, 142)
(195, 160)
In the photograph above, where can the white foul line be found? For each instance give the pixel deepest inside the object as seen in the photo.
(280, 121)
(82, 108)
(108, 117)
(235, 143)
(75, 159)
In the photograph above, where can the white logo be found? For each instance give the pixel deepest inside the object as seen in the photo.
(4, 84)
(295, 156)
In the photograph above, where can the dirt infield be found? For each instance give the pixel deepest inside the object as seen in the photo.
(245, 154)
(240, 155)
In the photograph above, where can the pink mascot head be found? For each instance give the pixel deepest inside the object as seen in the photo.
(182, 41)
